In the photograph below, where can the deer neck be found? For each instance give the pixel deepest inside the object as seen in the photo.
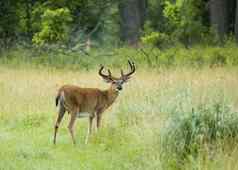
(111, 95)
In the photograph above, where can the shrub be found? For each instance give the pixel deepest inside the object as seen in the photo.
(183, 18)
(156, 39)
(149, 57)
(187, 133)
(54, 27)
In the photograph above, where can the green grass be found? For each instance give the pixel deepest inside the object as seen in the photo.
(145, 57)
(133, 128)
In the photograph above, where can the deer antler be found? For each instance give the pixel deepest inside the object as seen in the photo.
(133, 69)
(107, 77)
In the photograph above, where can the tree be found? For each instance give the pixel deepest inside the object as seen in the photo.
(236, 22)
(8, 22)
(28, 15)
(184, 20)
(54, 27)
(132, 17)
(219, 17)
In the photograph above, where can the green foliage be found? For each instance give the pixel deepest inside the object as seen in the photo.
(172, 12)
(186, 134)
(71, 23)
(8, 22)
(156, 39)
(156, 19)
(149, 57)
(184, 17)
(54, 28)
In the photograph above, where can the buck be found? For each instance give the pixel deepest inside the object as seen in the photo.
(88, 102)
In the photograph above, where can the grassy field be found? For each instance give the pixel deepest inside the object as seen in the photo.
(133, 128)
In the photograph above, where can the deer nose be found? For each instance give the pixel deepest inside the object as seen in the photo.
(119, 87)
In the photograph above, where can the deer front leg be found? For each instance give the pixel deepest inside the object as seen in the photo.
(71, 126)
(89, 129)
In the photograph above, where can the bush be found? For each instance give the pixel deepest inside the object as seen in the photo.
(156, 39)
(54, 27)
(188, 133)
(149, 57)
(184, 21)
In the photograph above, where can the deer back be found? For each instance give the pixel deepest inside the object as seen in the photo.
(77, 99)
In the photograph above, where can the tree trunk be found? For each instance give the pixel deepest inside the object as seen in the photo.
(236, 22)
(142, 7)
(219, 17)
(132, 14)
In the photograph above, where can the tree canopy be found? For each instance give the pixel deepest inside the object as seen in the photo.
(132, 22)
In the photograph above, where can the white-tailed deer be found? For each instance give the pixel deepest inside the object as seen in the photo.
(88, 102)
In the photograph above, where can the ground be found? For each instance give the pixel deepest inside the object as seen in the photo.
(132, 127)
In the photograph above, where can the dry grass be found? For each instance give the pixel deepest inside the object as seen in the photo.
(131, 127)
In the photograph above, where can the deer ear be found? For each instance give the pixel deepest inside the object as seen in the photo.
(126, 79)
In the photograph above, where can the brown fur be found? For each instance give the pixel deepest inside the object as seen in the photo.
(89, 100)
(93, 102)
(75, 99)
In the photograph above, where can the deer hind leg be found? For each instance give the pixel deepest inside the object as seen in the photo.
(71, 125)
(61, 113)
(98, 119)
(98, 122)
(89, 129)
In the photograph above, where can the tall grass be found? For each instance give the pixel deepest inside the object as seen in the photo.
(145, 57)
(162, 120)
(206, 128)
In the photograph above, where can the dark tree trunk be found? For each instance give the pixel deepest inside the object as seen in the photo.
(142, 7)
(236, 22)
(219, 17)
(8, 23)
(132, 17)
(231, 10)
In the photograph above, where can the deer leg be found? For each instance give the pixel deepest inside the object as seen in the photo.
(95, 126)
(59, 118)
(71, 125)
(99, 118)
(89, 129)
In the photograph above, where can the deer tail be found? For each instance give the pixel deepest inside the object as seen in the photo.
(57, 100)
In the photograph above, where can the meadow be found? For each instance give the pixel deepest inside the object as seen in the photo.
(144, 129)
(178, 112)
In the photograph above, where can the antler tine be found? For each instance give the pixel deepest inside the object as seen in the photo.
(109, 76)
(132, 67)
(109, 73)
(100, 69)
(100, 72)
(132, 64)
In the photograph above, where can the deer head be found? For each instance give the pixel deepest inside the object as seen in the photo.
(116, 83)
